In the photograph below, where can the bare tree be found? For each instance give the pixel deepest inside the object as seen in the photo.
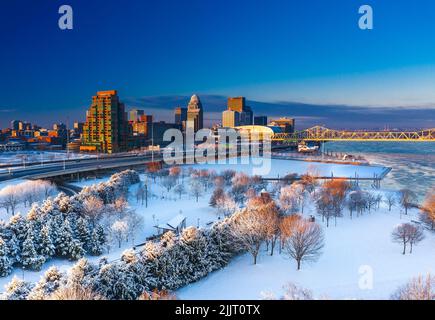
(417, 289)
(390, 200)
(196, 188)
(11, 197)
(180, 189)
(407, 233)
(407, 199)
(134, 223)
(169, 182)
(140, 193)
(286, 227)
(305, 243)
(119, 231)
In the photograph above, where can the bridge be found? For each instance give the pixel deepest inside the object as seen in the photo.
(322, 134)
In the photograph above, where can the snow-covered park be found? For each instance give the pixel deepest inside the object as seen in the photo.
(356, 249)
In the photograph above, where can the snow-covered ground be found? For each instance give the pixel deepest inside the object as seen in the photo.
(363, 241)
(362, 244)
(162, 206)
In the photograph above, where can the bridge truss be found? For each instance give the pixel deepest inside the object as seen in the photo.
(320, 134)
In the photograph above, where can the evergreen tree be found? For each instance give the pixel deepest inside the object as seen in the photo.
(17, 289)
(97, 241)
(49, 283)
(5, 263)
(83, 233)
(47, 248)
(30, 259)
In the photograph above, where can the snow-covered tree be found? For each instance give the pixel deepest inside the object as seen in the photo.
(47, 248)
(97, 241)
(217, 194)
(17, 289)
(226, 205)
(289, 200)
(196, 188)
(51, 281)
(11, 196)
(5, 262)
(250, 231)
(305, 242)
(180, 189)
(420, 288)
(30, 259)
(93, 208)
(119, 231)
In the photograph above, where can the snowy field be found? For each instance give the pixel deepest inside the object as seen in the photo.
(362, 241)
(353, 244)
(280, 168)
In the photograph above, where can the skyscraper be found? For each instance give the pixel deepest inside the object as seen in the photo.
(260, 120)
(237, 114)
(181, 116)
(236, 104)
(195, 116)
(230, 119)
(105, 129)
(134, 114)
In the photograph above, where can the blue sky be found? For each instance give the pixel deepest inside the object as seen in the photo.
(309, 51)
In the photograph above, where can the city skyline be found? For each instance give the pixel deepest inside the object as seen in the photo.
(327, 63)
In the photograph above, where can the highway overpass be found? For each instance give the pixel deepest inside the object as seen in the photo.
(76, 167)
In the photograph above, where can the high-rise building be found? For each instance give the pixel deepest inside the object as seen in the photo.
(180, 116)
(78, 127)
(240, 114)
(286, 124)
(105, 129)
(143, 125)
(230, 119)
(246, 117)
(15, 124)
(195, 115)
(260, 120)
(135, 114)
(236, 104)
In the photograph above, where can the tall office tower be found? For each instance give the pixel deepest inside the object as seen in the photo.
(195, 116)
(260, 120)
(15, 124)
(237, 104)
(230, 119)
(180, 116)
(106, 126)
(287, 124)
(134, 114)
